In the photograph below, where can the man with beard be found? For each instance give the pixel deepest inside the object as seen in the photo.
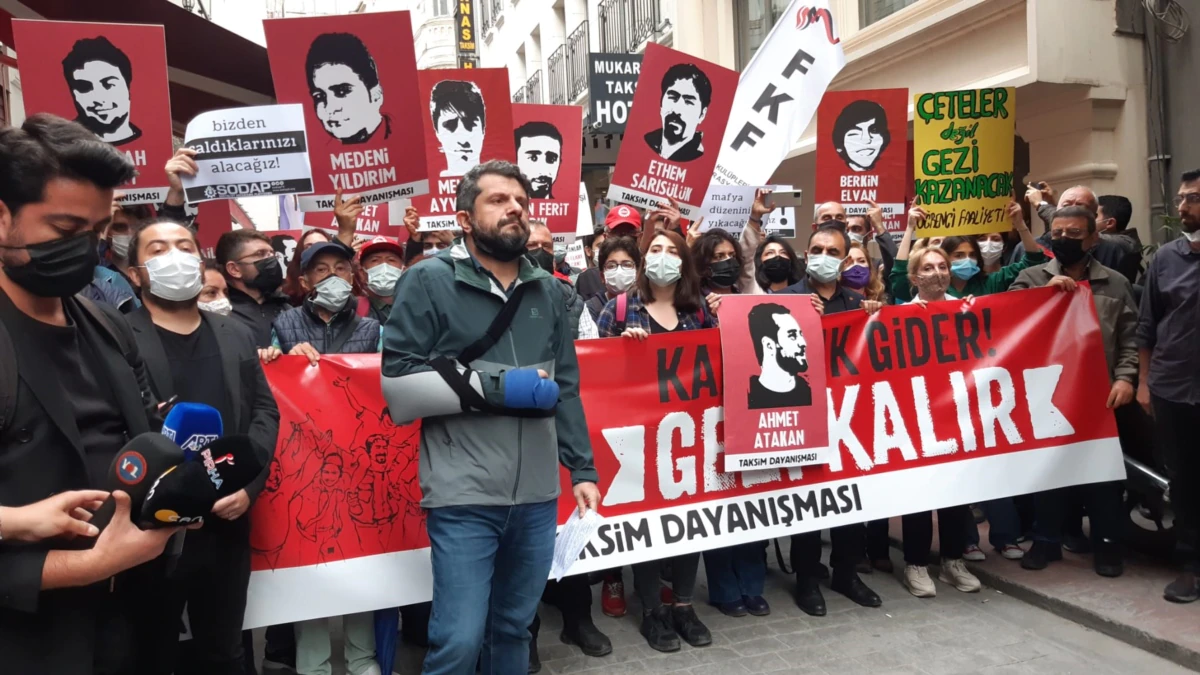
(1169, 377)
(508, 408)
(539, 153)
(200, 357)
(779, 345)
(254, 274)
(345, 88)
(99, 76)
(459, 122)
(686, 93)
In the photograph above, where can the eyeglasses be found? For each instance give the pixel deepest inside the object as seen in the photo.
(341, 269)
(261, 254)
(625, 265)
(437, 246)
(1192, 198)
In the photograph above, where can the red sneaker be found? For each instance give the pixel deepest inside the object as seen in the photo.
(612, 598)
(667, 595)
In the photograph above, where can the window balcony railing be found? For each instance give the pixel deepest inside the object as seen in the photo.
(566, 69)
(519, 95)
(489, 11)
(625, 25)
(533, 88)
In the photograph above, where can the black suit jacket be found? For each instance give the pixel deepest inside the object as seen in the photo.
(250, 399)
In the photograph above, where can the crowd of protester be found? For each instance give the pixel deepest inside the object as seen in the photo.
(116, 301)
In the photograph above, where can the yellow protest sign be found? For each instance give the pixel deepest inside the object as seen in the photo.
(963, 159)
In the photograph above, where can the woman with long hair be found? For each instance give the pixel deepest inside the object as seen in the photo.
(775, 265)
(719, 263)
(860, 275)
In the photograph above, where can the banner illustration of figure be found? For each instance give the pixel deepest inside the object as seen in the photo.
(686, 94)
(460, 123)
(860, 134)
(539, 156)
(99, 75)
(780, 348)
(346, 93)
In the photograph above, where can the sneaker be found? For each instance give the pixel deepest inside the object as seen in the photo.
(658, 631)
(974, 553)
(1011, 552)
(1041, 554)
(917, 581)
(757, 605)
(954, 572)
(1183, 589)
(689, 627)
(1077, 542)
(588, 637)
(612, 598)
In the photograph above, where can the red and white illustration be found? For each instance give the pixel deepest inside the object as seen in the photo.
(549, 144)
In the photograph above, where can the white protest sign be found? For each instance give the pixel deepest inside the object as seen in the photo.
(727, 207)
(248, 152)
(583, 222)
(576, 257)
(781, 221)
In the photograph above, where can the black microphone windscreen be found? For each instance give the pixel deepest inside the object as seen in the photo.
(232, 463)
(144, 458)
(183, 495)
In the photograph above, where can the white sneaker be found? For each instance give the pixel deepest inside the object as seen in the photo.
(974, 554)
(1012, 552)
(954, 572)
(917, 581)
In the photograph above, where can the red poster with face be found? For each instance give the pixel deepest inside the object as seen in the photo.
(861, 143)
(773, 353)
(674, 131)
(357, 80)
(467, 119)
(112, 79)
(549, 140)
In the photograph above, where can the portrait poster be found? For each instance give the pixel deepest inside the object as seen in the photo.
(862, 153)
(773, 353)
(112, 79)
(357, 81)
(549, 144)
(674, 131)
(467, 118)
(963, 160)
(284, 242)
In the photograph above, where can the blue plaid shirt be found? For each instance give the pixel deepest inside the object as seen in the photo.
(636, 316)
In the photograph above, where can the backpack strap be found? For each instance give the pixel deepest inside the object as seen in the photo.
(97, 315)
(344, 335)
(8, 379)
(622, 308)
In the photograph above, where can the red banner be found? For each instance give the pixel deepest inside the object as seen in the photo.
(774, 412)
(112, 79)
(861, 144)
(674, 131)
(468, 119)
(549, 140)
(356, 76)
(927, 408)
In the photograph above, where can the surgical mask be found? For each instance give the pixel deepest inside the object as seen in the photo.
(1193, 237)
(58, 268)
(856, 237)
(220, 306)
(662, 269)
(596, 257)
(1067, 251)
(823, 268)
(270, 275)
(175, 275)
(964, 269)
(991, 250)
(856, 276)
(777, 269)
(619, 280)
(332, 293)
(724, 273)
(119, 245)
(381, 279)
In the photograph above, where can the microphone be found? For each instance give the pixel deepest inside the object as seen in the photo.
(193, 426)
(232, 463)
(133, 470)
(185, 494)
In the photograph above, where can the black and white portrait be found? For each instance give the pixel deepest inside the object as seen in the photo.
(860, 134)
(345, 88)
(539, 154)
(99, 76)
(285, 248)
(459, 122)
(686, 93)
(781, 350)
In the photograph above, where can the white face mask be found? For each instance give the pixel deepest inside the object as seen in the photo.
(1193, 237)
(991, 250)
(596, 257)
(381, 279)
(619, 280)
(175, 275)
(119, 245)
(662, 269)
(856, 237)
(332, 293)
(824, 268)
(220, 306)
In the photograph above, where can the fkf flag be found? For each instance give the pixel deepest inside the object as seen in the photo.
(778, 93)
(112, 79)
(358, 84)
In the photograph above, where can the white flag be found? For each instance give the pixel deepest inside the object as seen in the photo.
(778, 93)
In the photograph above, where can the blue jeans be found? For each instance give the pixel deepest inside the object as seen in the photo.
(1004, 523)
(490, 565)
(736, 571)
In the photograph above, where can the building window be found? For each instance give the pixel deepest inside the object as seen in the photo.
(870, 11)
(442, 7)
(754, 19)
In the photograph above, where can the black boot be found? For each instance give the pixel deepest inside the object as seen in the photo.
(658, 631)
(1184, 589)
(1107, 558)
(1041, 554)
(689, 627)
(808, 596)
(589, 638)
(851, 586)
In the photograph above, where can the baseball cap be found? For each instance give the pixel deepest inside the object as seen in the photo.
(325, 247)
(381, 245)
(622, 214)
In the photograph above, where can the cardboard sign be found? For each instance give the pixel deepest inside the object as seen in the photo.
(779, 92)
(248, 152)
(674, 131)
(549, 147)
(112, 79)
(612, 79)
(963, 160)
(357, 81)
(468, 119)
(773, 353)
(950, 408)
(861, 152)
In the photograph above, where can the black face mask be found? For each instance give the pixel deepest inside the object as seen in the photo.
(724, 273)
(1067, 251)
(777, 269)
(58, 268)
(270, 275)
(541, 259)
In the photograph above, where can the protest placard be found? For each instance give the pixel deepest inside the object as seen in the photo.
(612, 79)
(861, 153)
(248, 152)
(549, 146)
(674, 130)
(357, 82)
(374, 221)
(583, 214)
(963, 160)
(112, 79)
(728, 207)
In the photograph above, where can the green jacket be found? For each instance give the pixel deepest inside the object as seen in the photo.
(980, 284)
(473, 458)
